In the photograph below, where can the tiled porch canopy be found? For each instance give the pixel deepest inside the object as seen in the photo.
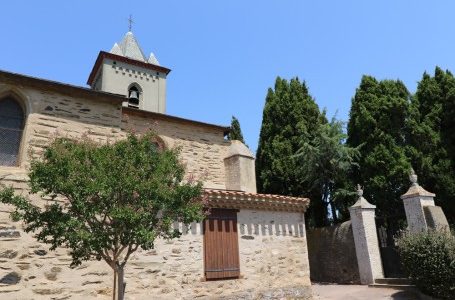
(242, 200)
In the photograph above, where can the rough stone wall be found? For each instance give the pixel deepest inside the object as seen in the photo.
(331, 253)
(50, 115)
(273, 248)
(26, 267)
(273, 263)
(273, 251)
(202, 149)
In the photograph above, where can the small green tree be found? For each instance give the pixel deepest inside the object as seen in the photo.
(326, 161)
(236, 131)
(117, 197)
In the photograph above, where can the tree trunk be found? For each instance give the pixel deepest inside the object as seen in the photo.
(120, 287)
(114, 294)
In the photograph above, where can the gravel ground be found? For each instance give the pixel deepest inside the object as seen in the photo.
(359, 292)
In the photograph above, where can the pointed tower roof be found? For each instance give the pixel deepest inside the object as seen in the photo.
(129, 47)
(116, 50)
(153, 60)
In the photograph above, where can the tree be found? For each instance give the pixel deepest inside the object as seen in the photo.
(236, 131)
(377, 124)
(326, 162)
(290, 115)
(428, 137)
(117, 197)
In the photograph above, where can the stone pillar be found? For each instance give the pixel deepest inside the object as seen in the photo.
(240, 169)
(414, 200)
(366, 239)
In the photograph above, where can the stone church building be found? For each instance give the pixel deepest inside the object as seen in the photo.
(251, 246)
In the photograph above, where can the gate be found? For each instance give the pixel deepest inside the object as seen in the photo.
(388, 229)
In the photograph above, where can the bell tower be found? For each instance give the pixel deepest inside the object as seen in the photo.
(126, 71)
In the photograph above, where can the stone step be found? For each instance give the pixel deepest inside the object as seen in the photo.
(403, 287)
(405, 281)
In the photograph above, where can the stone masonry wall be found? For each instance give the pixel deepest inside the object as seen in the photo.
(274, 264)
(332, 256)
(50, 115)
(202, 149)
(273, 252)
(272, 244)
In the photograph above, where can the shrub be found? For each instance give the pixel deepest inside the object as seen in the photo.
(429, 259)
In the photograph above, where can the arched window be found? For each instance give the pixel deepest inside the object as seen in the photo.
(134, 96)
(11, 127)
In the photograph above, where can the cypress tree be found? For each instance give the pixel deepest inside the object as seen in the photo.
(429, 128)
(236, 131)
(377, 124)
(290, 117)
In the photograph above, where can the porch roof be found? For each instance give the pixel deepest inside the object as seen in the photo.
(243, 200)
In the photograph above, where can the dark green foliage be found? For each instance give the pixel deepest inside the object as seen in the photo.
(109, 199)
(290, 118)
(429, 259)
(326, 161)
(377, 124)
(430, 126)
(236, 131)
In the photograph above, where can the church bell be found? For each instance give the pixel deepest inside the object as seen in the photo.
(134, 97)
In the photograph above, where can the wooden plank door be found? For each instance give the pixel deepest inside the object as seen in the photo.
(221, 245)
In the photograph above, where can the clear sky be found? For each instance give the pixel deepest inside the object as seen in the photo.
(224, 55)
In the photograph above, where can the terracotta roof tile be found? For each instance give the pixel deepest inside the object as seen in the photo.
(239, 200)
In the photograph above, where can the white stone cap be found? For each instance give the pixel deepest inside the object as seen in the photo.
(416, 190)
(238, 148)
(362, 202)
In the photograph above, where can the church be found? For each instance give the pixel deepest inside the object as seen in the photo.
(252, 246)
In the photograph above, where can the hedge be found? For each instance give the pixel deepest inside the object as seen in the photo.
(429, 259)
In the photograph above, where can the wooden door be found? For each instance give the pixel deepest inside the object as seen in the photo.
(221, 245)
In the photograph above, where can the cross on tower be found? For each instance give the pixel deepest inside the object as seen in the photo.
(130, 22)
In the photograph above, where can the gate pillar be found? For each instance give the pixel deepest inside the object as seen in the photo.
(414, 200)
(366, 239)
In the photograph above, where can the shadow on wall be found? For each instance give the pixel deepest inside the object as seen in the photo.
(273, 228)
(193, 228)
(262, 229)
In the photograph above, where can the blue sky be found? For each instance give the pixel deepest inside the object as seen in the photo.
(224, 55)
